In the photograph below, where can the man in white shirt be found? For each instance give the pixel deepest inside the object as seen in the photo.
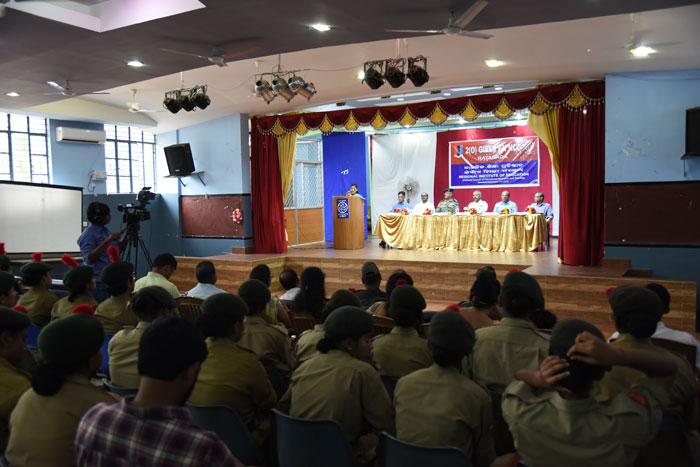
(421, 208)
(164, 266)
(664, 332)
(206, 278)
(290, 282)
(480, 205)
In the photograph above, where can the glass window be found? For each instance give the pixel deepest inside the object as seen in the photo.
(129, 159)
(23, 149)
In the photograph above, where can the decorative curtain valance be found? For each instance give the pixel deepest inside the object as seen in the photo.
(502, 105)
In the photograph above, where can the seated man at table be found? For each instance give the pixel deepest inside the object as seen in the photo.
(402, 204)
(545, 208)
(479, 204)
(449, 204)
(504, 204)
(424, 207)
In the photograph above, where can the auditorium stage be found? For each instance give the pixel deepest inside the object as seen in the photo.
(444, 277)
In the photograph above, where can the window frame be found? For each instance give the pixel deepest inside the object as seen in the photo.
(129, 142)
(29, 133)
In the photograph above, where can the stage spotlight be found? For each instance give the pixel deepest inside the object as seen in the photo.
(172, 101)
(264, 90)
(200, 98)
(281, 88)
(186, 101)
(308, 91)
(394, 73)
(373, 75)
(296, 83)
(416, 73)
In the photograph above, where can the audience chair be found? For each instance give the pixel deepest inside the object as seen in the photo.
(669, 447)
(684, 350)
(189, 307)
(4, 462)
(225, 422)
(390, 385)
(423, 329)
(310, 443)
(395, 453)
(32, 336)
(104, 366)
(275, 377)
(502, 437)
(382, 325)
(301, 323)
(124, 392)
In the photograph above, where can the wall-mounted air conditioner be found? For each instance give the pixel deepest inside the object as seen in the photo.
(79, 135)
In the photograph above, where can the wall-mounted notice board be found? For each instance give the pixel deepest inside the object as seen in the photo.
(211, 216)
(657, 213)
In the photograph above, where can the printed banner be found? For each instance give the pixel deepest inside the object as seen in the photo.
(492, 163)
(342, 208)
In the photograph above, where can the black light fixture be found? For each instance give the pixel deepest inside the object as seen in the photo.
(394, 72)
(186, 101)
(374, 72)
(200, 97)
(264, 90)
(418, 70)
(172, 101)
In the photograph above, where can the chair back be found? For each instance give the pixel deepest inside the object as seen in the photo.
(301, 323)
(104, 366)
(189, 307)
(688, 351)
(109, 386)
(390, 385)
(225, 422)
(382, 325)
(275, 377)
(33, 336)
(395, 453)
(310, 443)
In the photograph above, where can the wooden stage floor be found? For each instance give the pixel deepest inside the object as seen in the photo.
(444, 277)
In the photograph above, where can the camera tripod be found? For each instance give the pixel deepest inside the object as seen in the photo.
(134, 242)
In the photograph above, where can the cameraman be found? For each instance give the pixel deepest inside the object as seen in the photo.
(95, 240)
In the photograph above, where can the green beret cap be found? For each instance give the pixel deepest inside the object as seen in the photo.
(35, 267)
(255, 293)
(78, 276)
(225, 304)
(4, 262)
(564, 335)
(117, 271)
(629, 298)
(450, 331)
(348, 321)
(160, 295)
(342, 297)
(11, 320)
(520, 284)
(406, 298)
(72, 339)
(7, 282)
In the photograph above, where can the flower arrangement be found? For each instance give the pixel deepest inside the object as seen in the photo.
(237, 216)
(427, 212)
(531, 210)
(404, 211)
(472, 211)
(505, 211)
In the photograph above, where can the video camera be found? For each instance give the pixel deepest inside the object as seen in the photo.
(133, 214)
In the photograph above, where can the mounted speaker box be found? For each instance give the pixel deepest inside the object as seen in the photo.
(179, 157)
(692, 133)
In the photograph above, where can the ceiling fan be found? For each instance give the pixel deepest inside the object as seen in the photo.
(66, 90)
(135, 106)
(217, 57)
(455, 25)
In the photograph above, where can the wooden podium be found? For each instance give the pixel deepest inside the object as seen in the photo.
(348, 222)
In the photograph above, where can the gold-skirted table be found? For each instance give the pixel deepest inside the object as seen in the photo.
(500, 232)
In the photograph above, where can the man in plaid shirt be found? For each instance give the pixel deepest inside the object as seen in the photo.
(153, 428)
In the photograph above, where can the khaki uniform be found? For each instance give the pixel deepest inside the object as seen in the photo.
(338, 387)
(113, 314)
(501, 350)
(269, 342)
(451, 206)
(64, 308)
(400, 352)
(42, 429)
(13, 383)
(620, 380)
(38, 302)
(551, 431)
(233, 376)
(123, 352)
(438, 406)
(306, 345)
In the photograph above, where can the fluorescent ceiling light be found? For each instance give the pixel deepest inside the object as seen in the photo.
(135, 63)
(368, 99)
(320, 27)
(642, 51)
(498, 88)
(412, 94)
(468, 88)
(493, 63)
(400, 99)
(12, 94)
(446, 93)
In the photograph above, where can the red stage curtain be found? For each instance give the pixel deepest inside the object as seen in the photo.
(582, 176)
(266, 194)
